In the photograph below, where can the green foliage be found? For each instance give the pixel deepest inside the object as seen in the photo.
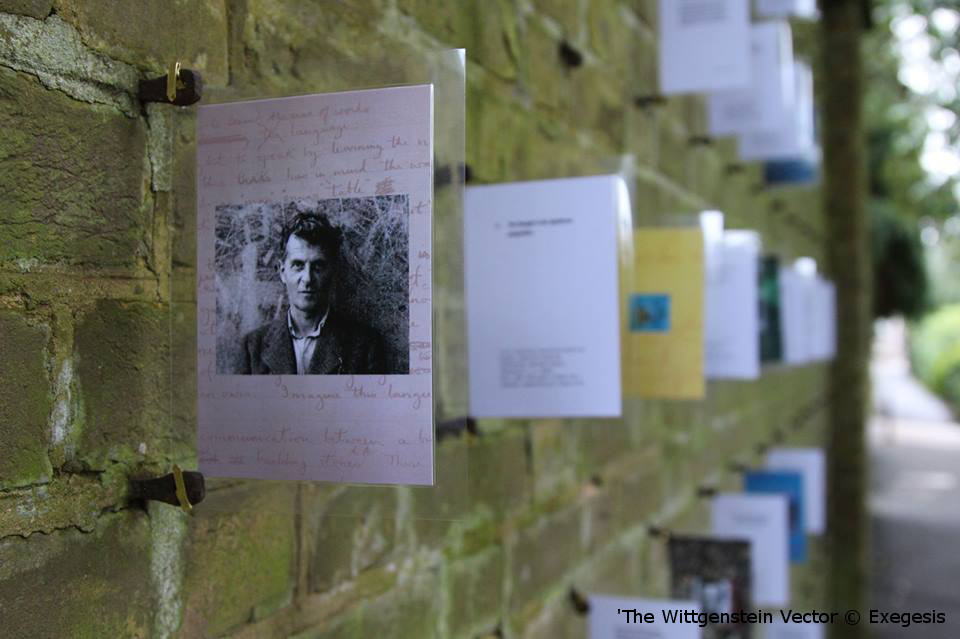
(896, 120)
(935, 352)
(943, 264)
(900, 276)
(902, 193)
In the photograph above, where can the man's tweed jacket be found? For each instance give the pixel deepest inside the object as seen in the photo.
(343, 348)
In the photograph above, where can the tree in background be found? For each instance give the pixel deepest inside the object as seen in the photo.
(903, 193)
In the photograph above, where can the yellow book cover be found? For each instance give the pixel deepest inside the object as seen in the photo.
(663, 302)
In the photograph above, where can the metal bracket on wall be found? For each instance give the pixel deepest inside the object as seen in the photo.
(657, 532)
(580, 603)
(179, 488)
(181, 87)
(456, 427)
(645, 101)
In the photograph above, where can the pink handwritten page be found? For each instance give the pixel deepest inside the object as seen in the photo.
(361, 409)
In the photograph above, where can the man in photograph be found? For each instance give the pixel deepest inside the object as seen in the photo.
(311, 338)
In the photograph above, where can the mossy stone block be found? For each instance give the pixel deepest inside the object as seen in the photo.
(123, 367)
(34, 8)
(74, 584)
(238, 558)
(153, 33)
(74, 179)
(25, 402)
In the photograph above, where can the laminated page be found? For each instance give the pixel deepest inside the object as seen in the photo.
(789, 483)
(704, 45)
(716, 574)
(627, 617)
(542, 297)
(663, 330)
(811, 463)
(787, 8)
(763, 520)
(780, 629)
(794, 136)
(314, 217)
(764, 104)
(794, 287)
(732, 348)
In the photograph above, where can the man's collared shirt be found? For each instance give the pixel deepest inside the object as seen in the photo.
(304, 346)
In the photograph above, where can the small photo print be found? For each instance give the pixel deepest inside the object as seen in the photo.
(649, 313)
(716, 574)
(313, 287)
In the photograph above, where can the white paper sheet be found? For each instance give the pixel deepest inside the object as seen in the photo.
(829, 320)
(793, 137)
(765, 104)
(363, 162)
(543, 298)
(787, 8)
(763, 520)
(704, 45)
(807, 316)
(609, 619)
(732, 322)
(811, 464)
(780, 630)
(824, 338)
(794, 299)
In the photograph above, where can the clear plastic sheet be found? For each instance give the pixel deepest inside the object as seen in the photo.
(438, 261)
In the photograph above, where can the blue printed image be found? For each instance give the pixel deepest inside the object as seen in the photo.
(789, 484)
(649, 313)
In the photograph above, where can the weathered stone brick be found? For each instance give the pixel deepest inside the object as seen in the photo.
(238, 558)
(153, 34)
(475, 591)
(411, 609)
(34, 8)
(640, 495)
(553, 447)
(556, 619)
(534, 553)
(282, 53)
(543, 73)
(25, 402)
(74, 179)
(437, 509)
(123, 369)
(348, 532)
(600, 442)
(183, 366)
(74, 584)
(614, 569)
(183, 198)
(497, 472)
(570, 15)
(67, 500)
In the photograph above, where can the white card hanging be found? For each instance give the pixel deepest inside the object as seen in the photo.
(811, 464)
(732, 323)
(704, 45)
(542, 297)
(787, 8)
(763, 520)
(765, 103)
(627, 617)
(794, 136)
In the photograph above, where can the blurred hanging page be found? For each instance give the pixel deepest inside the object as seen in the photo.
(663, 332)
(704, 45)
(314, 287)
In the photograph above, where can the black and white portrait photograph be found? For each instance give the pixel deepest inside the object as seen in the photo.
(313, 287)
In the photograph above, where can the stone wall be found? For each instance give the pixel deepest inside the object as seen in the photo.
(97, 335)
